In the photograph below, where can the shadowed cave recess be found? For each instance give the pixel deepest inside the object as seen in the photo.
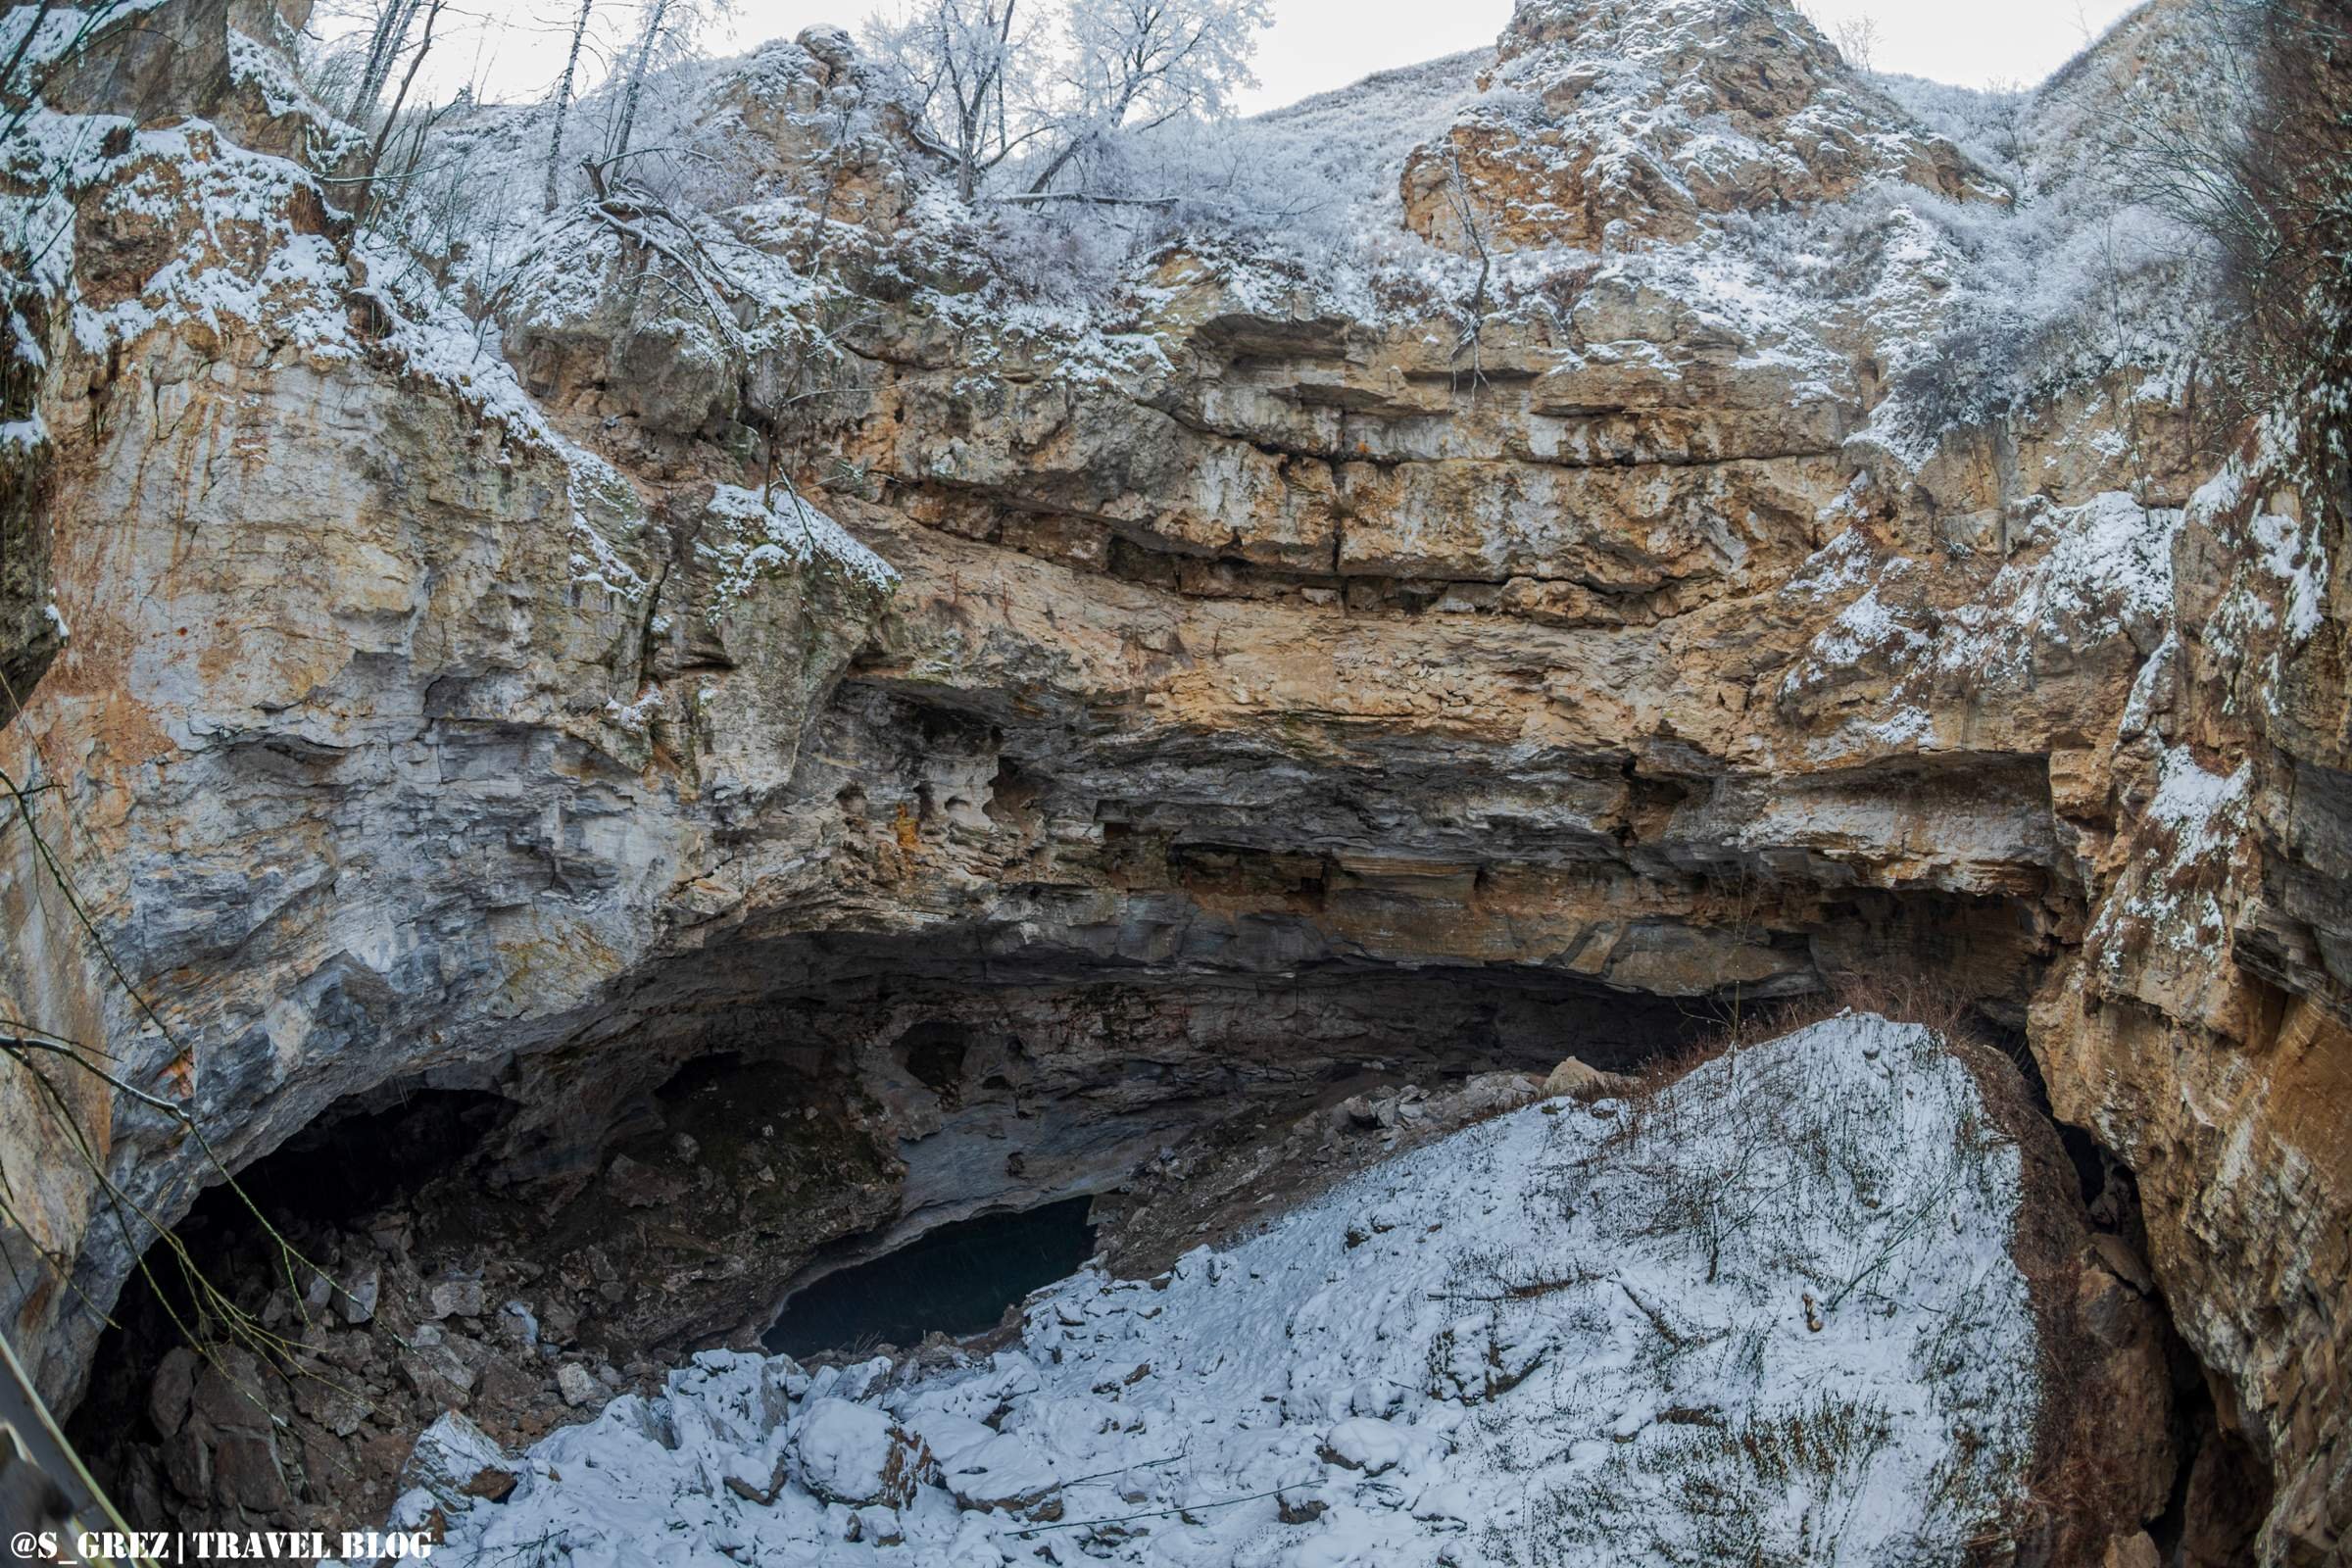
(763, 1134)
(831, 1145)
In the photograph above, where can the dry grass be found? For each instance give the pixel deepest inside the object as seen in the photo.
(1909, 999)
(1782, 1166)
(1725, 1478)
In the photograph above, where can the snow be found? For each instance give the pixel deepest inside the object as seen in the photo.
(2195, 805)
(757, 537)
(2276, 576)
(2150, 687)
(1369, 1443)
(434, 340)
(2172, 893)
(636, 717)
(1866, 624)
(60, 32)
(2298, 558)
(241, 258)
(2109, 571)
(2078, 577)
(846, 1453)
(1967, 306)
(1759, 1311)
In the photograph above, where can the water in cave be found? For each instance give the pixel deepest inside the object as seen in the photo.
(957, 1279)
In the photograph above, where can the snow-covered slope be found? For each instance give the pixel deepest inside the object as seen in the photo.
(1769, 1316)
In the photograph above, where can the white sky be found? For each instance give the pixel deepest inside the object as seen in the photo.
(515, 49)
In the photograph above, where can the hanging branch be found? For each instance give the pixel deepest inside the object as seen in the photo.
(26, 1044)
(1474, 313)
(27, 93)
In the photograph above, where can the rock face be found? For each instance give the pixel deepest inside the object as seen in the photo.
(1105, 715)
(1612, 124)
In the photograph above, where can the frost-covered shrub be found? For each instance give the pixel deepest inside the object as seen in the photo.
(1966, 374)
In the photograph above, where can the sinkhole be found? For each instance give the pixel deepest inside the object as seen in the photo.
(955, 1279)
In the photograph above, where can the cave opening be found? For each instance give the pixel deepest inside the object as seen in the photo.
(955, 1279)
(356, 1160)
(807, 1147)
(358, 1164)
(358, 1155)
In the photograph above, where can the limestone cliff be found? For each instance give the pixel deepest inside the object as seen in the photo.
(1622, 603)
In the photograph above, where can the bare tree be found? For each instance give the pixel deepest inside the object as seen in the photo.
(1858, 40)
(1149, 60)
(1857, 37)
(672, 27)
(385, 43)
(639, 66)
(555, 137)
(971, 68)
(375, 153)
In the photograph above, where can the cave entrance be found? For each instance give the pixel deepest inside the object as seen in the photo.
(175, 1452)
(955, 1279)
(784, 1141)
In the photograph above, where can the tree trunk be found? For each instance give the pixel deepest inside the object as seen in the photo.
(375, 154)
(382, 51)
(1059, 161)
(554, 139)
(645, 59)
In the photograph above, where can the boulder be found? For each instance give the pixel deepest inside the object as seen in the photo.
(174, 1386)
(1575, 1080)
(454, 1299)
(855, 1454)
(642, 1185)
(359, 1294)
(577, 1385)
(456, 1462)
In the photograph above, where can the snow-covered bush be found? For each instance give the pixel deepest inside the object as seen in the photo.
(989, 79)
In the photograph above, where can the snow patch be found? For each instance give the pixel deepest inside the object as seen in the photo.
(758, 537)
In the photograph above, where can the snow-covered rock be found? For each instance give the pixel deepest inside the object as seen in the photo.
(456, 1461)
(1786, 513)
(1773, 1303)
(853, 1453)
